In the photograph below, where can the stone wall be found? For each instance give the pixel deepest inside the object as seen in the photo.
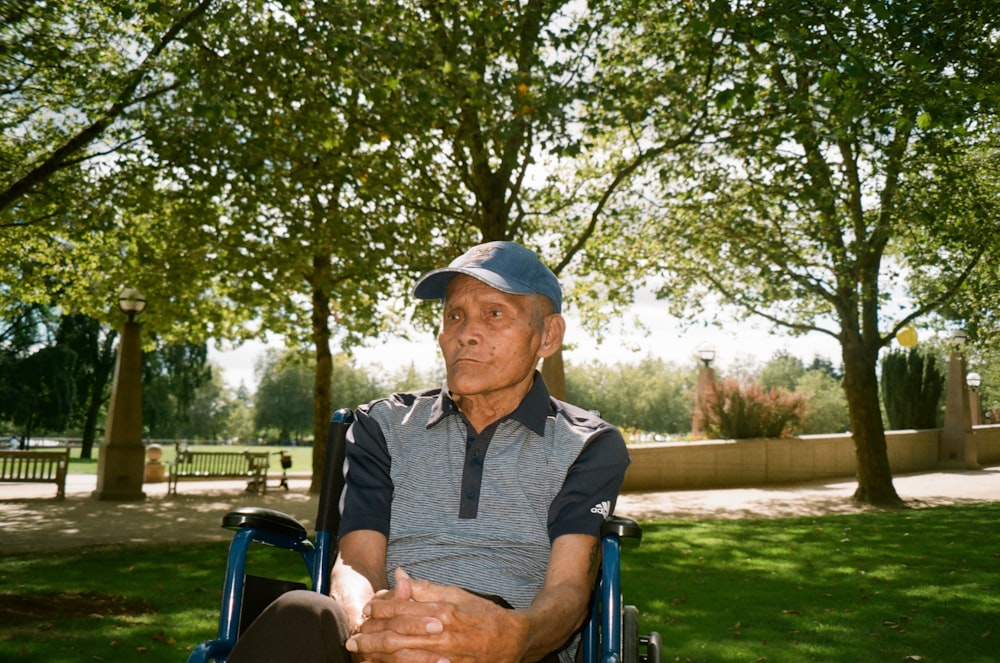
(742, 463)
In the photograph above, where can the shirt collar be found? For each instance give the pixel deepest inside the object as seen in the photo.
(531, 412)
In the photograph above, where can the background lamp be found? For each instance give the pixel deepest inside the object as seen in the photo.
(131, 302)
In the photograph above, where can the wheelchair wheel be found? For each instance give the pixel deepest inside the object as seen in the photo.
(630, 634)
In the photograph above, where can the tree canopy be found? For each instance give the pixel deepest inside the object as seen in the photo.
(292, 165)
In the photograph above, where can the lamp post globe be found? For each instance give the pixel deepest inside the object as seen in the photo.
(132, 302)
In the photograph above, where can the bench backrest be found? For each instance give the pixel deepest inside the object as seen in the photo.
(33, 465)
(219, 463)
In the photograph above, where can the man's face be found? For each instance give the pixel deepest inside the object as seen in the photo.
(491, 340)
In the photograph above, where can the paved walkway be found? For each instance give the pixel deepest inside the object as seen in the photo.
(31, 520)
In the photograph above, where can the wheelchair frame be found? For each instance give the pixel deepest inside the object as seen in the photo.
(610, 633)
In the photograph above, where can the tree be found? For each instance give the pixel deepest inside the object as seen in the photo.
(75, 75)
(912, 386)
(506, 110)
(83, 203)
(298, 163)
(23, 329)
(284, 135)
(291, 131)
(67, 379)
(842, 151)
(406, 378)
(356, 386)
(94, 347)
(210, 412)
(827, 404)
(39, 391)
(783, 370)
(240, 423)
(825, 365)
(371, 143)
(283, 400)
(652, 396)
(37, 385)
(172, 374)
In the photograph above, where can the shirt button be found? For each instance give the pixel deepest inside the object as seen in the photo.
(471, 494)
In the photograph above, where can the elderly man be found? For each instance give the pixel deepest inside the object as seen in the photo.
(471, 513)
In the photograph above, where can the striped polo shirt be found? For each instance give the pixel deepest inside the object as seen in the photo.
(479, 510)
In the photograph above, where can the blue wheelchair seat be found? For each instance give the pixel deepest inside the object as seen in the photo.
(610, 633)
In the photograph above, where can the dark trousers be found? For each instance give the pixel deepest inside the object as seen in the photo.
(301, 626)
(304, 627)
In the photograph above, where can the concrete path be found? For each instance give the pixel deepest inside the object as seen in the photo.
(31, 520)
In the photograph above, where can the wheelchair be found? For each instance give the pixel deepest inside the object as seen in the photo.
(610, 634)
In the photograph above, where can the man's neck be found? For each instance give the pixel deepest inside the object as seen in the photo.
(483, 409)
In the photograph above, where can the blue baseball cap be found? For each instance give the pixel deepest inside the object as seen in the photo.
(506, 266)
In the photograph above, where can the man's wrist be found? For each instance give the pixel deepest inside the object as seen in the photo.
(521, 632)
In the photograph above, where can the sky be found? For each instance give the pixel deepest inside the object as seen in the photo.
(735, 344)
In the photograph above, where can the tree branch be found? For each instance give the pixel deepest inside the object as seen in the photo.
(60, 158)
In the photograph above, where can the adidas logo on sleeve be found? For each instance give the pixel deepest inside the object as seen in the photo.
(603, 508)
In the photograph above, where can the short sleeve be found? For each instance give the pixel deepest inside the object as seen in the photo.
(367, 498)
(591, 488)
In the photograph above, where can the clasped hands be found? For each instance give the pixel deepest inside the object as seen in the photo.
(423, 622)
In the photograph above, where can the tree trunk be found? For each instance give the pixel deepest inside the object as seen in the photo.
(861, 387)
(90, 423)
(322, 402)
(102, 375)
(554, 373)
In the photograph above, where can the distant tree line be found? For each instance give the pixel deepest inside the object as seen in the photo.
(56, 372)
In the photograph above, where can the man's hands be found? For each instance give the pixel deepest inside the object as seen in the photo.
(422, 622)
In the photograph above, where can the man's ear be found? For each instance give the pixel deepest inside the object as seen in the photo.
(553, 330)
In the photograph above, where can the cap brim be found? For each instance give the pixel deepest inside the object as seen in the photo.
(433, 285)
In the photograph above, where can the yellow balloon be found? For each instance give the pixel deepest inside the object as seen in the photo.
(907, 337)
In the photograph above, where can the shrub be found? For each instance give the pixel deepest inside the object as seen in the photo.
(912, 385)
(742, 410)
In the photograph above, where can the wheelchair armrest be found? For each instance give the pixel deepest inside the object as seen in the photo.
(265, 520)
(623, 528)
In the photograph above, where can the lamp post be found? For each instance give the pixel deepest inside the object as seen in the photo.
(704, 387)
(974, 380)
(958, 447)
(121, 462)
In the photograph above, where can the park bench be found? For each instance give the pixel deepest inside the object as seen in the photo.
(249, 465)
(36, 467)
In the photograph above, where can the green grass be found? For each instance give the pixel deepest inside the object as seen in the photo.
(916, 585)
(174, 591)
(301, 457)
